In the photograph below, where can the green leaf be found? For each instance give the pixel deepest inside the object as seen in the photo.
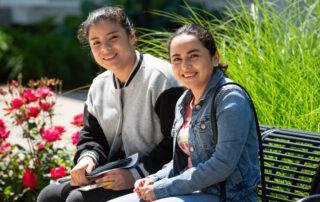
(7, 190)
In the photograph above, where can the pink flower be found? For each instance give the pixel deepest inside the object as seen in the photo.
(14, 82)
(58, 172)
(78, 120)
(45, 106)
(28, 178)
(16, 103)
(43, 92)
(29, 96)
(51, 135)
(75, 138)
(40, 146)
(33, 111)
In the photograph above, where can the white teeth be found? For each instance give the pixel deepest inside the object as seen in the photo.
(189, 75)
(109, 57)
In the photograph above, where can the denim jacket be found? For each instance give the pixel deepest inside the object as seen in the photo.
(235, 156)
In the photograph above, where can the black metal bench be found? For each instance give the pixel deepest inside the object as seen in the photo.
(291, 161)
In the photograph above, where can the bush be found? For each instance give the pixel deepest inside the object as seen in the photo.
(24, 172)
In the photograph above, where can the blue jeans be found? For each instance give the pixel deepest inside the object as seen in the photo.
(194, 197)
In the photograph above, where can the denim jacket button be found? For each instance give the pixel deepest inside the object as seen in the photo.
(191, 149)
(203, 126)
(198, 107)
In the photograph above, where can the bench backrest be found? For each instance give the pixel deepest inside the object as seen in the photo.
(291, 159)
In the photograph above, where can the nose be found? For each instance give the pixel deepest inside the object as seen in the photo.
(106, 45)
(186, 63)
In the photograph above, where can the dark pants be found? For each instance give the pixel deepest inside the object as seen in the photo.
(61, 193)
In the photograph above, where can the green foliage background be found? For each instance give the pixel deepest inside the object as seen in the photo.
(272, 51)
(47, 49)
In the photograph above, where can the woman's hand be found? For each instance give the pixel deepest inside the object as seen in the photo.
(144, 189)
(121, 179)
(147, 193)
(85, 165)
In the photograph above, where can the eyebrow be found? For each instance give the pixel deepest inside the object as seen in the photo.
(94, 38)
(190, 51)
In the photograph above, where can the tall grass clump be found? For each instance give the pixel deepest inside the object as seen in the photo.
(273, 51)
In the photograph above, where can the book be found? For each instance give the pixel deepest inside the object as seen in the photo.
(93, 186)
(128, 162)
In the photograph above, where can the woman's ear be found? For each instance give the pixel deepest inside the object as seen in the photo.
(215, 59)
(132, 37)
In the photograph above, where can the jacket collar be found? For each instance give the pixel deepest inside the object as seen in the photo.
(137, 65)
(216, 80)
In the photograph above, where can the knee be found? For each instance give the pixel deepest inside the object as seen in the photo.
(49, 194)
(75, 196)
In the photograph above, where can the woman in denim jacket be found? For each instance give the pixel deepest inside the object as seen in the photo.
(199, 164)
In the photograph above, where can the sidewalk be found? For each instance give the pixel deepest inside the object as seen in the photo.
(66, 107)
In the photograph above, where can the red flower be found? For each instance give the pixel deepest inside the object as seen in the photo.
(58, 172)
(5, 148)
(75, 138)
(1, 123)
(51, 135)
(60, 129)
(16, 103)
(29, 96)
(28, 178)
(33, 111)
(78, 120)
(43, 92)
(2, 92)
(40, 146)
(45, 106)
(3, 133)
(5, 145)
(14, 82)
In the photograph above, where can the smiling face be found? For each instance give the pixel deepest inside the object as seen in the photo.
(112, 48)
(191, 63)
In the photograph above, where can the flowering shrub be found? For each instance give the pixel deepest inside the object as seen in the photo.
(24, 172)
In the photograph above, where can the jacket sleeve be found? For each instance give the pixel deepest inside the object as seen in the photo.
(164, 107)
(221, 164)
(91, 139)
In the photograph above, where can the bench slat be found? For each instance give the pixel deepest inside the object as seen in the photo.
(294, 180)
(290, 186)
(284, 170)
(290, 164)
(298, 158)
(269, 140)
(296, 139)
(289, 194)
(307, 153)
